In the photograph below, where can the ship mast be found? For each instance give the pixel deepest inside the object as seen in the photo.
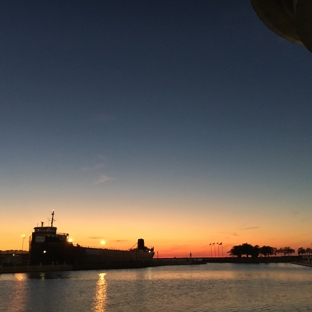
(52, 219)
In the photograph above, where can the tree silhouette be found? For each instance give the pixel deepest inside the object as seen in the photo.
(308, 251)
(275, 251)
(245, 249)
(301, 251)
(280, 251)
(236, 251)
(254, 251)
(267, 250)
(287, 251)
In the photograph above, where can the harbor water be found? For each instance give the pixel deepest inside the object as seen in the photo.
(206, 287)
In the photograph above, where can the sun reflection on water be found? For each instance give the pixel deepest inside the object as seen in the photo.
(99, 300)
(19, 276)
(18, 294)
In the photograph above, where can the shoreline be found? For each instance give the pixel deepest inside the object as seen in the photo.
(303, 264)
(7, 269)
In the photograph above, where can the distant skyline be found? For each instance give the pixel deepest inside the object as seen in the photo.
(181, 122)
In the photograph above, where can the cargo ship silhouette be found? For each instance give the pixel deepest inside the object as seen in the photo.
(48, 247)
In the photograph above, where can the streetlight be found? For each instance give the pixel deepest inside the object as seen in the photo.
(23, 238)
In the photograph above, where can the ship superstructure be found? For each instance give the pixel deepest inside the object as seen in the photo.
(49, 247)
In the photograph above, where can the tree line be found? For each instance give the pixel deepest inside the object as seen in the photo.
(266, 251)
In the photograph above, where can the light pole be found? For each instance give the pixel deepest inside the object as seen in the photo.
(23, 238)
(220, 244)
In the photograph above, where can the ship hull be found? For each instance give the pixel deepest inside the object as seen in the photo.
(110, 258)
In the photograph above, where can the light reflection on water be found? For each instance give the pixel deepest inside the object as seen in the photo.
(17, 297)
(100, 294)
(211, 287)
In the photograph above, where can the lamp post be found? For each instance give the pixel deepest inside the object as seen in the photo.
(220, 244)
(23, 238)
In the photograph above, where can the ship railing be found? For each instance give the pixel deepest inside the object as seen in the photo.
(101, 248)
(105, 248)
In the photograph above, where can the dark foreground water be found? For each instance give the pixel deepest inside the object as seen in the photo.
(209, 287)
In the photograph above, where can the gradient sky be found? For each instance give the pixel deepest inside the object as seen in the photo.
(182, 122)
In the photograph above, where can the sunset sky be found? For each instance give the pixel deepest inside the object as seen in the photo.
(181, 122)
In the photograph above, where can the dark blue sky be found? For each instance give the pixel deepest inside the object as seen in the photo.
(193, 101)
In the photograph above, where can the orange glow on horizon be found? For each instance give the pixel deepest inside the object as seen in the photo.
(172, 235)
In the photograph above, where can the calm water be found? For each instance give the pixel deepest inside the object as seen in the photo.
(210, 287)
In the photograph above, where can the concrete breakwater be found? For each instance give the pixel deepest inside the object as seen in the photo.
(155, 262)
(201, 260)
(305, 260)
